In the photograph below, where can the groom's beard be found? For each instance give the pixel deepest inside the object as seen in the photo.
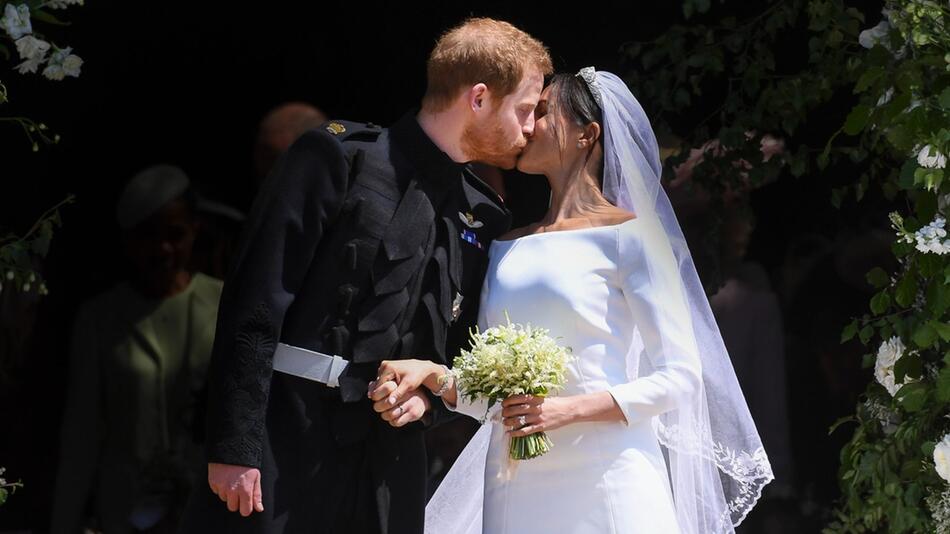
(486, 143)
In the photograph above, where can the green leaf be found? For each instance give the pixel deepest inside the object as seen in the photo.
(47, 18)
(924, 336)
(857, 119)
(880, 302)
(912, 396)
(878, 277)
(942, 329)
(906, 290)
(869, 77)
(928, 264)
(909, 365)
(865, 334)
(938, 296)
(837, 194)
(945, 98)
(849, 331)
(943, 385)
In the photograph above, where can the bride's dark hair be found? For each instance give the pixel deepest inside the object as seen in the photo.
(573, 99)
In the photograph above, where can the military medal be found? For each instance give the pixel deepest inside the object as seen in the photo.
(336, 128)
(457, 306)
(469, 220)
(469, 236)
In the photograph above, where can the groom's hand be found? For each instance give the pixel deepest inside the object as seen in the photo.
(237, 485)
(398, 408)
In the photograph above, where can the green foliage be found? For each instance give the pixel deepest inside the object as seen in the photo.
(896, 67)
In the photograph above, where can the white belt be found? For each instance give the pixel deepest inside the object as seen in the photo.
(309, 364)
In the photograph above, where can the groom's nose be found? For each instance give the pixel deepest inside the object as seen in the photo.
(528, 128)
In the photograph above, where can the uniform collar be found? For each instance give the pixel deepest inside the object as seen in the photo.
(421, 151)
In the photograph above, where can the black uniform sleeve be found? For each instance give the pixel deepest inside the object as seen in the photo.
(303, 195)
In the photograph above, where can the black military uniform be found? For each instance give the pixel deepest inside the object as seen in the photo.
(366, 243)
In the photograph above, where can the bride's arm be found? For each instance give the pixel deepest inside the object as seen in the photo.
(654, 291)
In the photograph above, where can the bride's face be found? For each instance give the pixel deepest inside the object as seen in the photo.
(549, 147)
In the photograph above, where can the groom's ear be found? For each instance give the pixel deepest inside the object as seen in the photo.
(478, 97)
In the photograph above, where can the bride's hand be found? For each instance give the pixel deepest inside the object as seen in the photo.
(529, 414)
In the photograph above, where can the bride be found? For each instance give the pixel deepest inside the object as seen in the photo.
(651, 433)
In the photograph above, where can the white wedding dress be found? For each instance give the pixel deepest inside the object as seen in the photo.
(597, 290)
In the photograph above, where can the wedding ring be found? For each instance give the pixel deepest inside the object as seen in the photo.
(401, 410)
(522, 420)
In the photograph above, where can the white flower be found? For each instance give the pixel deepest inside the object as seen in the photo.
(887, 356)
(872, 36)
(29, 65)
(942, 458)
(9, 275)
(930, 238)
(16, 20)
(30, 47)
(931, 158)
(886, 97)
(54, 72)
(71, 65)
(62, 63)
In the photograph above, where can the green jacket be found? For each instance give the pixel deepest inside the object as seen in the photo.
(136, 366)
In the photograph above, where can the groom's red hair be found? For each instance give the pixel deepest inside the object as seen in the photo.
(481, 50)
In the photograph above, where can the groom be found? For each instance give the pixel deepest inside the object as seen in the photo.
(365, 244)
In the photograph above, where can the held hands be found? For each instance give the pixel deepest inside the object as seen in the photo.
(237, 485)
(524, 415)
(396, 395)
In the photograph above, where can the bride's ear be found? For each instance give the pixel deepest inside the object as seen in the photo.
(590, 135)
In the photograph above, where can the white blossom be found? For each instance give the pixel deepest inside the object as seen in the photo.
(62, 63)
(942, 458)
(29, 66)
(929, 157)
(16, 21)
(931, 238)
(9, 275)
(872, 36)
(54, 72)
(888, 418)
(30, 47)
(71, 65)
(886, 97)
(887, 355)
(939, 504)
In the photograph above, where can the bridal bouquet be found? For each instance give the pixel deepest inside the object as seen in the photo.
(511, 360)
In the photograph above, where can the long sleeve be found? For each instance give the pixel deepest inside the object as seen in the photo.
(81, 431)
(290, 216)
(652, 287)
